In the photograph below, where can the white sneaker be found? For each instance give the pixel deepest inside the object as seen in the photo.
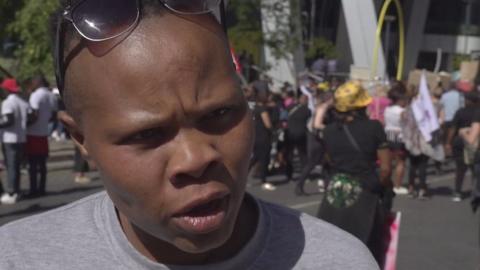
(321, 185)
(400, 190)
(269, 187)
(456, 197)
(55, 136)
(9, 199)
(82, 180)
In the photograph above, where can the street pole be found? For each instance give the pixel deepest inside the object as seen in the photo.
(388, 19)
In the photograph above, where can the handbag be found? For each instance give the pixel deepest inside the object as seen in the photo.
(348, 204)
(469, 152)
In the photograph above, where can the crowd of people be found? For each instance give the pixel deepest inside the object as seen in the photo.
(28, 120)
(25, 130)
(172, 139)
(366, 138)
(174, 151)
(294, 120)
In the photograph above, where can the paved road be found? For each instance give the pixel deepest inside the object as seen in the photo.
(435, 234)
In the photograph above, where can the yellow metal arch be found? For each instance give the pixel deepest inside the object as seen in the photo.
(401, 31)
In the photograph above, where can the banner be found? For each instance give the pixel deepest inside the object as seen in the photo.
(469, 70)
(424, 112)
(393, 230)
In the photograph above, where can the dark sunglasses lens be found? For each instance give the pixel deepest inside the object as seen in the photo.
(192, 6)
(103, 19)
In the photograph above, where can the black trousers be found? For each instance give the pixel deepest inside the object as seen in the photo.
(418, 167)
(37, 168)
(460, 167)
(315, 154)
(293, 142)
(261, 155)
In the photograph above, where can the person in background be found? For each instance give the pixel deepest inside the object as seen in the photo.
(393, 128)
(319, 66)
(44, 106)
(315, 144)
(277, 117)
(439, 106)
(332, 66)
(262, 85)
(163, 117)
(471, 135)
(308, 89)
(15, 114)
(440, 136)
(419, 151)
(452, 100)
(456, 146)
(58, 130)
(288, 99)
(263, 139)
(354, 143)
(296, 137)
(376, 110)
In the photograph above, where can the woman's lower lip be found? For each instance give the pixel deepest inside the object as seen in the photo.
(202, 224)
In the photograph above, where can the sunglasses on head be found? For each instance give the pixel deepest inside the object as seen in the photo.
(101, 20)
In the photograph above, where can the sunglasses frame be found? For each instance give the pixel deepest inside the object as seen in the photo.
(66, 17)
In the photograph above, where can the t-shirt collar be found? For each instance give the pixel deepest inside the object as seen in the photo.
(130, 257)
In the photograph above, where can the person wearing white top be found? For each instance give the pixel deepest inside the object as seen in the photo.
(43, 103)
(14, 117)
(393, 115)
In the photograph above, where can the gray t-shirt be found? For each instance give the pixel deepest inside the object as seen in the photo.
(87, 235)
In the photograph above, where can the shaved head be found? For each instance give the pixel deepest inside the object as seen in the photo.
(161, 114)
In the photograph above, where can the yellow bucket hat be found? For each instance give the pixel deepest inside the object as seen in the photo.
(351, 96)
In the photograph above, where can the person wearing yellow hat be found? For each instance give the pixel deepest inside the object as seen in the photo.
(354, 143)
(351, 96)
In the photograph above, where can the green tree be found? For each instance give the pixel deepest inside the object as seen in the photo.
(8, 9)
(321, 45)
(248, 34)
(283, 38)
(245, 33)
(32, 29)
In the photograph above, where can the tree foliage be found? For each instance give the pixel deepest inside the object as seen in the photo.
(320, 45)
(245, 31)
(32, 30)
(281, 33)
(248, 34)
(27, 23)
(8, 8)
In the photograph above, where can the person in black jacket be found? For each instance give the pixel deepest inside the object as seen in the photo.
(263, 138)
(455, 144)
(354, 143)
(296, 137)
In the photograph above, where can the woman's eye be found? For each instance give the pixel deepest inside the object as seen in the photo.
(146, 135)
(222, 112)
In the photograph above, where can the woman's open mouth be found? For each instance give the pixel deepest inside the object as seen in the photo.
(203, 217)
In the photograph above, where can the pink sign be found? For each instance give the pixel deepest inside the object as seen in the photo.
(392, 245)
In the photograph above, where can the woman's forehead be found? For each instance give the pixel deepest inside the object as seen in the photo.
(163, 53)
